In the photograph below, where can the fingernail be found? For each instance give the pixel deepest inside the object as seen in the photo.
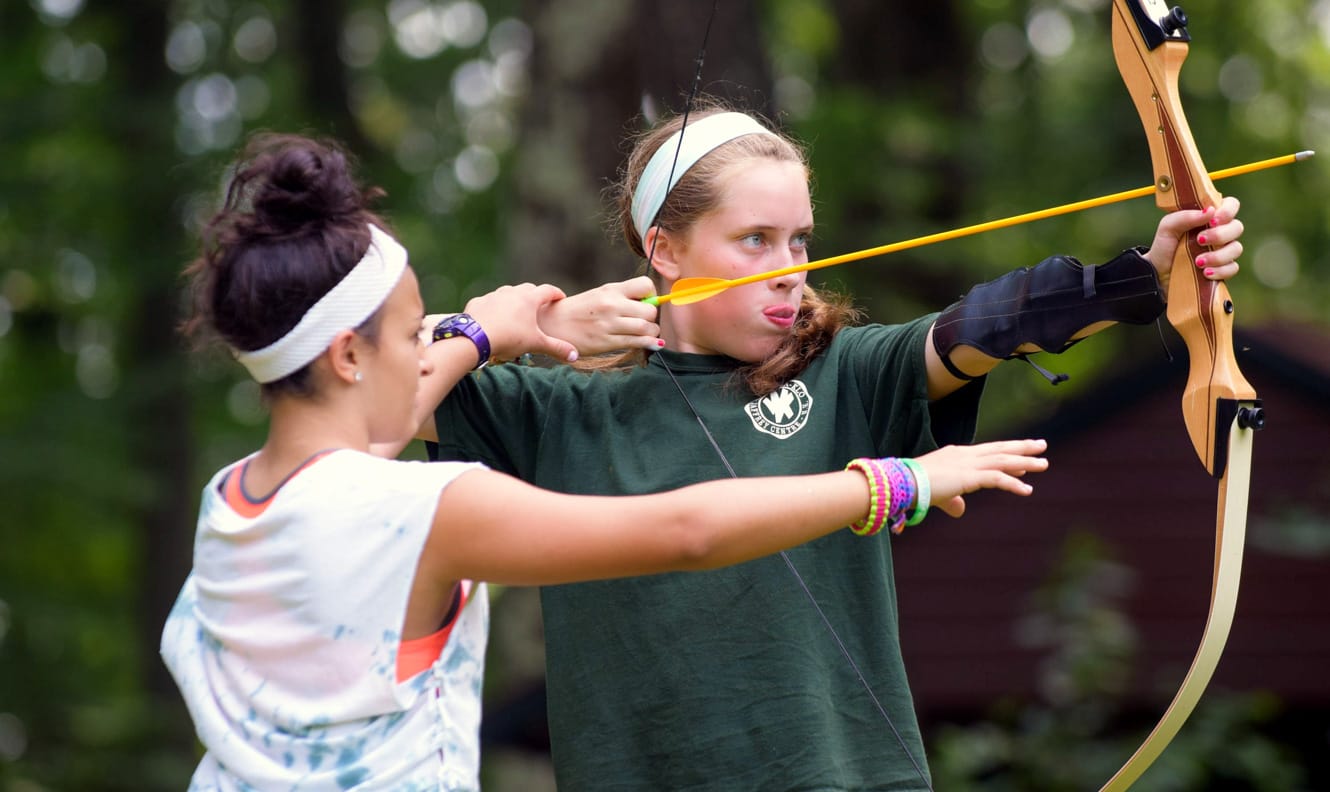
(660, 343)
(1200, 238)
(572, 356)
(1209, 273)
(1214, 221)
(1200, 261)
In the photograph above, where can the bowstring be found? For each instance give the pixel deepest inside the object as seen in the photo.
(789, 564)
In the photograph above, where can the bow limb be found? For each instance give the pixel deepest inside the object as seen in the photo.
(1219, 406)
(1230, 532)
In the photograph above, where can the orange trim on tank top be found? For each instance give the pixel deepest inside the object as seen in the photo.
(418, 654)
(233, 490)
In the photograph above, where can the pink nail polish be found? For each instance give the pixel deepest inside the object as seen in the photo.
(1200, 239)
(1209, 273)
(1214, 221)
(1200, 261)
(660, 343)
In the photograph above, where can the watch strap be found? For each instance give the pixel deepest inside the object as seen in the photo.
(463, 324)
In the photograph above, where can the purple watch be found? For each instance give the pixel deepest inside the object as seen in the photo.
(464, 325)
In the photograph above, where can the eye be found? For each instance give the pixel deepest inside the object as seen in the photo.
(751, 240)
(801, 241)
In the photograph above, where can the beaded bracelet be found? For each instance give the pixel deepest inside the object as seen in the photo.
(879, 495)
(925, 493)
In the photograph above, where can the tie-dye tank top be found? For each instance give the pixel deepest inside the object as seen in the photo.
(285, 636)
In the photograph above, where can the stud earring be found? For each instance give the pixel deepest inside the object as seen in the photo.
(359, 377)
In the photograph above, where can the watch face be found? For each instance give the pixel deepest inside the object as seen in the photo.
(457, 324)
(463, 325)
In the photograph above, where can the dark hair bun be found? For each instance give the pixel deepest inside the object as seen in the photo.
(307, 183)
(293, 223)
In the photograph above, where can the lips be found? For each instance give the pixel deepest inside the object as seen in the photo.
(782, 315)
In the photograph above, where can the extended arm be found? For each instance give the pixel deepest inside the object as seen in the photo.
(1052, 305)
(489, 526)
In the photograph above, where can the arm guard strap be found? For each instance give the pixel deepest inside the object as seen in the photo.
(1047, 304)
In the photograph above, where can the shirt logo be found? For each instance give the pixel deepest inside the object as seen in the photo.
(782, 413)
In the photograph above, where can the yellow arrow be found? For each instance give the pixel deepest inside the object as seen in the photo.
(691, 290)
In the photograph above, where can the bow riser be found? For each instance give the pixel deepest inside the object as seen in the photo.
(1200, 309)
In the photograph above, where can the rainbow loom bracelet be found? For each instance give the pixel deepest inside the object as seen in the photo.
(902, 493)
(925, 492)
(879, 496)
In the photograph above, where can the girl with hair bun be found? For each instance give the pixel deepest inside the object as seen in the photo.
(331, 634)
(730, 679)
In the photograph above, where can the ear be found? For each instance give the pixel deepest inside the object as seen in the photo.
(665, 254)
(345, 356)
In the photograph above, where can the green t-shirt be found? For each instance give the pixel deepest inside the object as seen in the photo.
(727, 679)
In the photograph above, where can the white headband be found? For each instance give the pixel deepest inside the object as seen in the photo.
(346, 306)
(701, 138)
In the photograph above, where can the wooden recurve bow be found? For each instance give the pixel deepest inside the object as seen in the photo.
(1219, 406)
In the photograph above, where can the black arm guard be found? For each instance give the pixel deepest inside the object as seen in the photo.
(1047, 304)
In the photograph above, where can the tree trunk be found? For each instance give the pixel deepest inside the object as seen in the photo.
(158, 403)
(596, 68)
(318, 30)
(914, 57)
(588, 91)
